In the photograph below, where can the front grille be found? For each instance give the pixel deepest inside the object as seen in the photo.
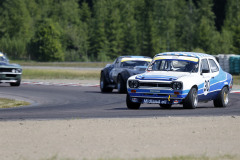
(6, 69)
(11, 75)
(155, 95)
(154, 84)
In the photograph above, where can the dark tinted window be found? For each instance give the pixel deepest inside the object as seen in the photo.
(131, 64)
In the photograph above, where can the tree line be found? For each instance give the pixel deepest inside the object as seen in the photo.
(101, 30)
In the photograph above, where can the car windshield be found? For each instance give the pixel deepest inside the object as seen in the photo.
(3, 59)
(174, 65)
(132, 64)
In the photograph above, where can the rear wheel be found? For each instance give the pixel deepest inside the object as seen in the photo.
(165, 106)
(130, 104)
(103, 84)
(121, 86)
(191, 100)
(222, 99)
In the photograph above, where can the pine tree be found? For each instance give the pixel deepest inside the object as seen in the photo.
(15, 27)
(99, 43)
(206, 31)
(144, 19)
(232, 25)
(129, 29)
(114, 33)
(46, 46)
(85, 15)
(165, 21)
(186, 26)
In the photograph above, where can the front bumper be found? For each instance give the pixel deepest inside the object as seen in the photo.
(157, 96)
(10, 77)
(156, 101)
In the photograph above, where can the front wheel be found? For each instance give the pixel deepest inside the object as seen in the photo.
(191, 100)
(130, 104)
(121, 86)
(222, 98)
(17, 84)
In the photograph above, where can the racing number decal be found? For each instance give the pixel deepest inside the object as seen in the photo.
(206, 87)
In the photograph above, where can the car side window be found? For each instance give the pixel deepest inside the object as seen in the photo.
(117, 63)
(205, 66)
(213, 66)
(162, 65)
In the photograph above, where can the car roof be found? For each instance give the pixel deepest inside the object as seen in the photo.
(189, 54)
(135, 57)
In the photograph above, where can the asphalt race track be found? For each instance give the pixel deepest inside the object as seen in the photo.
(67, 102)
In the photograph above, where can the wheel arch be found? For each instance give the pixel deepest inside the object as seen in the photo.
(195, 86)
(226, 85)
(125, 75)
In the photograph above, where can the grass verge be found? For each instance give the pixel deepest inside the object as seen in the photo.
(63, 64)
(60, 74)
(10, 103)
(236, 79)
(74, 74)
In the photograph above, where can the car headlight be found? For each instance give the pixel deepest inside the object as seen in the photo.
(19, 70)
(177, 85)
(133, 83)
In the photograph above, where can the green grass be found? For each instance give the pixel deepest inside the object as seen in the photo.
(74, 74)
(9, 103)
(63, 64)
(60, 74)
(236, 80)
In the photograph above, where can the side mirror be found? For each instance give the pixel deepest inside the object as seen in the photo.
(149, 68)
(205, 71)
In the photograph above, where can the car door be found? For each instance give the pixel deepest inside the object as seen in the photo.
(215, 78)
(206, 75)
(115, 70)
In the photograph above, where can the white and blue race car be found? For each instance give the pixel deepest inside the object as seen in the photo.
(180, 78)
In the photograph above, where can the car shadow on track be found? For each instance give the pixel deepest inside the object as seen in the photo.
(164, 109)
(103, 93)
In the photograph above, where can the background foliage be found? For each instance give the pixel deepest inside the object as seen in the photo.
(100, 30)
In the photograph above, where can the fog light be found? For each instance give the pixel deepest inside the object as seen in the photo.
(133, 91)
(134, 100)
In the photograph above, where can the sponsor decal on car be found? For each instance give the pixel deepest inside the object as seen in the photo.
(154, 101)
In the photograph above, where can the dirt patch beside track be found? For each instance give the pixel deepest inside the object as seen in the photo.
(120, 138)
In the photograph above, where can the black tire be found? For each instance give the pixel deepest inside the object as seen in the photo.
(165, 106)
(130, 104)
(17, 84)
(222, 99)
(103, 84)
(121, 85)
(191, 100)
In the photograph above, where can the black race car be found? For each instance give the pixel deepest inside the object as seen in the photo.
(114, 76)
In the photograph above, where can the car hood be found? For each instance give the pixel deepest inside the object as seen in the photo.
(137, 70)
(162, 75)
(7, 65)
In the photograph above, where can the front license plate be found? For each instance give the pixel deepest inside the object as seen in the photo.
(154, 101)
